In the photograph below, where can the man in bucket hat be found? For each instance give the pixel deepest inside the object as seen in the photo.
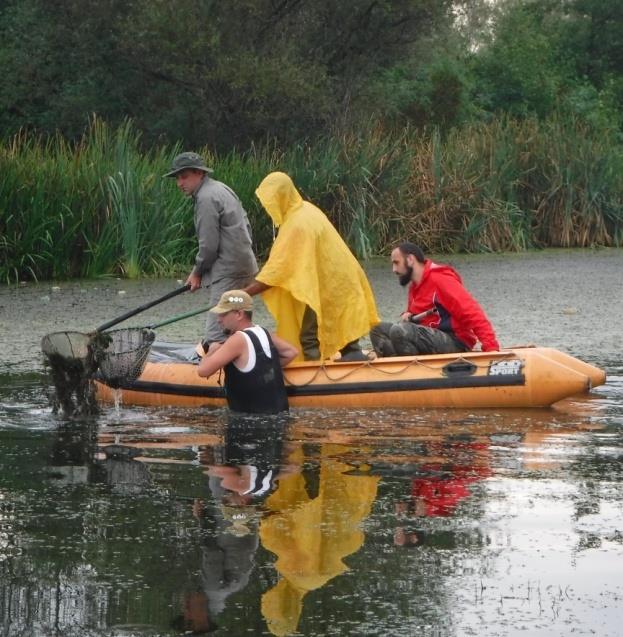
(225, 258)
(252, 358)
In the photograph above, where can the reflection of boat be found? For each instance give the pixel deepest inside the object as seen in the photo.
(518, 377)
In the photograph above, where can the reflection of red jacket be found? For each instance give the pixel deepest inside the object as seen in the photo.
(442, 494)
(441, 287)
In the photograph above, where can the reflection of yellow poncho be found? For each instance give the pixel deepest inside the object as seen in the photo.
(309, 264)
(311, 536)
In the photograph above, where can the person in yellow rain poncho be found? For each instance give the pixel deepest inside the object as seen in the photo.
(311, 536)
(311, 283)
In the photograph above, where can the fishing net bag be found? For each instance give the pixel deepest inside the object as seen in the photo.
(72, 359)
(124, 358)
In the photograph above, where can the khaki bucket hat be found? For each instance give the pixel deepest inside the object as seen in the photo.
(185, 161)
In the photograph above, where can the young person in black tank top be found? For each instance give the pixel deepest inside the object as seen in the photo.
(251, 357)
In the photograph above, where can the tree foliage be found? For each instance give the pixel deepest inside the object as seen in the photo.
(204, 71)
(540, 56)
(231, 73)
(517, 57)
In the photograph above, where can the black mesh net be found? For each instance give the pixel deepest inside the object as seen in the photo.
(74, 358)
(125, 357)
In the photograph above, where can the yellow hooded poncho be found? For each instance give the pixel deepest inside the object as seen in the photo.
(309, 264)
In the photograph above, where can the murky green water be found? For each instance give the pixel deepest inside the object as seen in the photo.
(162, 521)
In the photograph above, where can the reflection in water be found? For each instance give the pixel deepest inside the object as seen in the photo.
(142, 522)
(157, 522)
(124, 474)
(441, 481)
(71, 455)
(479, 523)
(242, 472)
(311, 534)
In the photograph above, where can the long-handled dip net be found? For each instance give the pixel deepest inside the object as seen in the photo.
(75, 358)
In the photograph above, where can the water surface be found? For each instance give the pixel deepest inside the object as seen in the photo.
(146, 521)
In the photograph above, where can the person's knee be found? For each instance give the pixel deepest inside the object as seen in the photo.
(381, 330)
(376, 337)
(379, 336)
(402, 339)
(397, 332)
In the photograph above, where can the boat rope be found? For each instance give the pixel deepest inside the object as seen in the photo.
(324, 368)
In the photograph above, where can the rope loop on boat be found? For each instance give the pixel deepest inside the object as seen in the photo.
(324, 368)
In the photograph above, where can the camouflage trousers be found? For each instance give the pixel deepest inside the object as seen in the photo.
(408, 339)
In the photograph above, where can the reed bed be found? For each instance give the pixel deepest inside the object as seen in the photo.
(101, 207)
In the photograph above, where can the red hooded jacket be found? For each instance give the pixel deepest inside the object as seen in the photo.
(457, 310)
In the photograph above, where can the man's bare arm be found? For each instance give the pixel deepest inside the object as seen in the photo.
(287, 352)
(256, 287)
(230, 351)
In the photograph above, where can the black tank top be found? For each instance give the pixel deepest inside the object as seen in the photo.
(260, 390)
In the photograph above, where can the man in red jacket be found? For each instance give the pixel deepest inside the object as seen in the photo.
(441, 316)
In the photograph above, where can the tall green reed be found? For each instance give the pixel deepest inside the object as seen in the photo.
(515, 184)
(95, 208)
(358, 178)
(101, 207)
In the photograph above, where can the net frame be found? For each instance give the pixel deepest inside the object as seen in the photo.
(71, 346)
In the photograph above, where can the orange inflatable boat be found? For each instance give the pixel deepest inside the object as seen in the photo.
(517, 377)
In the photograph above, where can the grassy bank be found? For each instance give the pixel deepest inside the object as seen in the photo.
(101, 207)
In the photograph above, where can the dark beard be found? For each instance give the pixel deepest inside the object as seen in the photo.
(405, 278)
(227, 332)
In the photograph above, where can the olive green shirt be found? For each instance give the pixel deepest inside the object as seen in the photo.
(223, 233)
